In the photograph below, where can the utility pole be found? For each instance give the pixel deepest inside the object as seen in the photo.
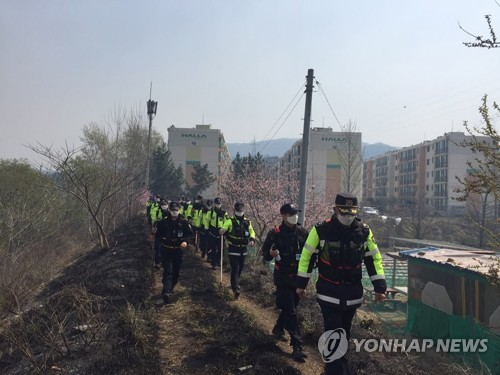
(305, 146)
(151, 113)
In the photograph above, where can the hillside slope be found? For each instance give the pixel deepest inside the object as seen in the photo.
(104, 315)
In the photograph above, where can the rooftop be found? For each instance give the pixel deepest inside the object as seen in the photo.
(473, 260)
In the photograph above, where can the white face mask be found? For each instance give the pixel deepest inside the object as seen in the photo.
(174, 213)
(238, 213)
(164, 207)
(346, 219)
(293, 219)
(218, 205)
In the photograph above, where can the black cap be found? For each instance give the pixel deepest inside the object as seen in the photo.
(217, 201)
(174, 206)
(346, 203)
(199, 197)
(289, 209)
(209, 202)
(238, 206)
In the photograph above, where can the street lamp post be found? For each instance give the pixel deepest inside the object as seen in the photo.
(151, 113)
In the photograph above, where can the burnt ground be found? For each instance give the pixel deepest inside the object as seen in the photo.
(104, 315)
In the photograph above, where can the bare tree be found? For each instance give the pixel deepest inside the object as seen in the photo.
(481, 41)
(420, 218)
(102, 174)
(481, 188)
(350, 157)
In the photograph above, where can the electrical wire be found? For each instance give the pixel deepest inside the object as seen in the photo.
(277, 130)
(328, 102)
(282, 113)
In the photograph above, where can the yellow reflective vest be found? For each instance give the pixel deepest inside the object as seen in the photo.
(340, 252)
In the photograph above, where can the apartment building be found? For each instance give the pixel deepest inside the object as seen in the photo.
(426, 171)
(199, 146)
(334, 162)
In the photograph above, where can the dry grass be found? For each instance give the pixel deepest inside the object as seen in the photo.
(100, 317)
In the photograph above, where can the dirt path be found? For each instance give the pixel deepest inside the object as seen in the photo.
(205, 331)
(265, 318)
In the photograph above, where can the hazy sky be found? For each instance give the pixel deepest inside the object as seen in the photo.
(398, 68)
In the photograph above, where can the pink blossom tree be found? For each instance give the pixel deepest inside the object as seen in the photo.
(263, 193)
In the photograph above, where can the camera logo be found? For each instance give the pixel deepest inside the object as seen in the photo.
(333, 345)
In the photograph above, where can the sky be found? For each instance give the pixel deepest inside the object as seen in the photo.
(397, 69)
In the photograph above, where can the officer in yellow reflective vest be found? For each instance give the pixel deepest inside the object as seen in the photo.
(342, 243)
(202, 219)
(196, 219)
(157, 213)
(239, 234)
(214, 220)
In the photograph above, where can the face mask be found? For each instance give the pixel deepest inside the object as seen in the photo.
(293, 219)
(164, 207)
(238, 213)
(174, 213)
(209, 206)
(197, 201)
(218, 205)
(346, 219)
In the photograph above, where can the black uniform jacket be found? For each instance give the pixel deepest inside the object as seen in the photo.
(289, 242)
(173, 232)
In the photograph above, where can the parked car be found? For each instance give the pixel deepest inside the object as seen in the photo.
(369, 211)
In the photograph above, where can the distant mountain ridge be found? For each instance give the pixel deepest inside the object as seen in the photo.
(278, 147)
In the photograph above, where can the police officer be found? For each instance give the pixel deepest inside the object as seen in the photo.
(186, 208)
(284, 244)
(149, 203)
(155, 206)
(239, 233)
(342, 243)
(215, 218)
(196, 215)
(203, 218)
(174, 231)
(157, 214)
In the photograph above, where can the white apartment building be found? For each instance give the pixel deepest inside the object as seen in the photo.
(199, 146)
(334, 162)
(424, 171)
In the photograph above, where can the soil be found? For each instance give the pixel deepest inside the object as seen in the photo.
(104, 315)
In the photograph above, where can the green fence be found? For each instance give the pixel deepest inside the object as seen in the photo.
(427, 322)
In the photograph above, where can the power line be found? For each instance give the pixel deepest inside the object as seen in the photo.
(288, 106)
(277, 130)
(328, 102)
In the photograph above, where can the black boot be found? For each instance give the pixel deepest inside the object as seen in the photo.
(298, 352)
(279, 333)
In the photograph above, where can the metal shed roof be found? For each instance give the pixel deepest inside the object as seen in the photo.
(432, 243)
(473, 260)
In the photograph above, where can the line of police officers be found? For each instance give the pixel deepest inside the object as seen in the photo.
(336, 246)
(175, 223)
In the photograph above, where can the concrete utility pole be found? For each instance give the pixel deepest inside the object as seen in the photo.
(305, 146)
(151, 113)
